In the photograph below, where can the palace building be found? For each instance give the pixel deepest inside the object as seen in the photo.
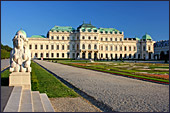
(89, 42)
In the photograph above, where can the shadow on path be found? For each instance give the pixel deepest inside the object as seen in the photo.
(102, 106)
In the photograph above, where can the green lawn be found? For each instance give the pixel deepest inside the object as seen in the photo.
(43, 81)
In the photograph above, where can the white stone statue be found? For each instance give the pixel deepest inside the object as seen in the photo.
(20, 57)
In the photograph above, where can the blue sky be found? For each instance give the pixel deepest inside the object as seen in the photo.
(134, 18)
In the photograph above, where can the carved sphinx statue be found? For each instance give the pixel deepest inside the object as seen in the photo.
(20, 57)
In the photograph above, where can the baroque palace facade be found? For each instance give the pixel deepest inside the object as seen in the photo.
(89, 42)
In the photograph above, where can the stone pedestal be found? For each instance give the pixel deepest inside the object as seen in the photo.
(20, 79)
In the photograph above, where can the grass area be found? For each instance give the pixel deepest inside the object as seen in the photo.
(5, 78)
(125, 69)
(45, 82)
(4, 54)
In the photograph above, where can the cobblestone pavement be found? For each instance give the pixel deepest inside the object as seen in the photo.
(4, 63)
(122, 94)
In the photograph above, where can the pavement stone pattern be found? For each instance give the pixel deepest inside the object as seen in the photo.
(4, 63)
(72, 105)
(122, 94)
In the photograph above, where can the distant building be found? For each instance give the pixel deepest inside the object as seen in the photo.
(161, 50)
(89, 42)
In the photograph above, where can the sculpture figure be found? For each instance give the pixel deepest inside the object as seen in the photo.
(20, 57)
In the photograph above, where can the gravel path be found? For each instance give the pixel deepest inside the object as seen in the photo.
(72, 105)
(4, 63)
(120, 93)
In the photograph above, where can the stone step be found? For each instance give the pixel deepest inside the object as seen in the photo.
(37, 103)
(26, 101)
(14, 101)
(46, 103)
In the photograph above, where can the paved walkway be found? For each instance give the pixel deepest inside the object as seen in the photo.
(120, 93)
(4, 63)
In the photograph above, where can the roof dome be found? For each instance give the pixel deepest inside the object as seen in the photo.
(147, 37)
(21, 32)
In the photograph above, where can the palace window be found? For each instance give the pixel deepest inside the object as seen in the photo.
(144, 48)
(52, 54)
(35, 46)
(106, 48)
(110, 39)
(101, 47)
(73, 47)
(62, 54)
(101, 55)
(46, 46)
(68, 47)
(125, 48)
(89, 47)
(149, 48)
(89, 37)
(57, 54)
(95, 38)
(41, 46)
(52, 37)
(134, 56)
(68, 38)
(129, 48)
(83, 46)
(30, 46)
(57, 47)
(111, 48)
(63, 38)
(41, 55)
(77, 37)
(134, 48)
(47, 55)
(36, 55)
(101, 39)
(95, 46)
(106, 55)
(83, 37)
(57, 37)
(52, 47)
(129, 55)
(115, 39)
(77, 46)
(115, 48)
(106, 39)
(120, 39)
(120, 48)
(125, 56)
(62, 47)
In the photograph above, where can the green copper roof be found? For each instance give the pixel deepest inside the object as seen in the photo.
(85, 26)
(37, 36)
(22, 32)
(62, 28)
(108, 30)
(147, 37)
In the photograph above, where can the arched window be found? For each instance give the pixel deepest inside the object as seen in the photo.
(111, 48)
(125, 48)
(52, 54)
(47, 55)
(134, 48)
(129, 48)
(95, 37)
(62, 47)
(120, 48)
(57, 37)
(89, 37)
(77, 46)
(68, 47)
(115, 48)
(52, 47)
(68, 38)
(83, 46)
(101, 47)
(89, 47)
(95, 46)
(57, 47)
(125, 56)
(36, 55)
(83, 37)
(101, 39)
(130, 55)
(41, 55)
(106, 39)
(106, 48)
(63, 38)
(110, 39)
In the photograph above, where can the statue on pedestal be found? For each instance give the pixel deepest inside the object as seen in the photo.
(20, 57)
